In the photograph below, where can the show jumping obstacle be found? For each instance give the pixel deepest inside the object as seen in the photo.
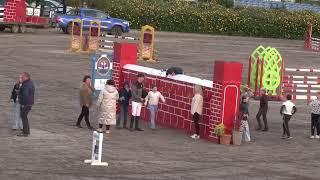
(106, 43)
(311, 43)
(301, 83)
(277, 80)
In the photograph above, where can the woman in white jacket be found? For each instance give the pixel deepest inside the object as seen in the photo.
(107, 106)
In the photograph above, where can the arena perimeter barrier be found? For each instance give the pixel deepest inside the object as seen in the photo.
(301, 83)
(311, 43)
(221, 96)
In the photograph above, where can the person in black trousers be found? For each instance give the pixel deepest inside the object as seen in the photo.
(26, 100)
(125, 95)
(263, 109)
(315, 115)
(86, 91)
(287, 110)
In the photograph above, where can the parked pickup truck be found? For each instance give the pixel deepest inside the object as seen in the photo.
(109, 25)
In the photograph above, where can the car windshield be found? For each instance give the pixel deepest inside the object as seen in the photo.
(73, 12)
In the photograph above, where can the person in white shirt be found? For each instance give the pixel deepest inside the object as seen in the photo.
(315, 115)
(196, 109)
(287, 110)
(153, 100)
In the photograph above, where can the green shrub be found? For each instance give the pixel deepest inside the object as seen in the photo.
(179, 16)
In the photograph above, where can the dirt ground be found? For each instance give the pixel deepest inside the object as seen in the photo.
(56, 150)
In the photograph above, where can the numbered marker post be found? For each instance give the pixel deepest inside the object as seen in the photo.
(96, 154)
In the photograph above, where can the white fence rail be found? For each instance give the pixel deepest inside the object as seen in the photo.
(1, 13)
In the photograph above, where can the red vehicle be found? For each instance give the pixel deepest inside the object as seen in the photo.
(14, 17)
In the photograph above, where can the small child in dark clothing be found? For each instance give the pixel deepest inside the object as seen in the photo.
(244, 114)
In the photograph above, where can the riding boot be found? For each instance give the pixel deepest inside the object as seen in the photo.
(137, 124)
(131, 122)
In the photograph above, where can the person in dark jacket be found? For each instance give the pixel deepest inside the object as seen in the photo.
(16, 118)
(125, 96)
(137, 100)
(26, 100)
(174, 71)
(263, 109)
(244, 115)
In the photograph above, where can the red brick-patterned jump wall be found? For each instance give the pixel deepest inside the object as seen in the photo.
(15, 11)
(175, 112)
(220, 97)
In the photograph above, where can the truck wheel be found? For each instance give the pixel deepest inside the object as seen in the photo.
(116, 31)
(22, 29)
(15, 29)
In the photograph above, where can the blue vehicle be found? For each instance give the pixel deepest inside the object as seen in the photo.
(109, 25)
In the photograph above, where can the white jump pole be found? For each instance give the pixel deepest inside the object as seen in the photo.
(96, 150)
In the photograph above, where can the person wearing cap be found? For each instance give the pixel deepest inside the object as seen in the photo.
(137, 100)
(125, 96)
(107, 106)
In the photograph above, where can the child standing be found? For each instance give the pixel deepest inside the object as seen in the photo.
(153, 99)
(244, 114)
(16, 118)
(287, 110)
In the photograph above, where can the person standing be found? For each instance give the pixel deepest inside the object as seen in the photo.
(137, 100)
(247, 92)
(107, 106)
(287, 110)
(196, 110)
(125, 96)
(153, 100)
(26, 100)
(244, 115)
(86, 91)
(263, 109)
(315, 114)
(16, 117)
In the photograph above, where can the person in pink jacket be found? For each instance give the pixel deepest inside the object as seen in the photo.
(196, 110)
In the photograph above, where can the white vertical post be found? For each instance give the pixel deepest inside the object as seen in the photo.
(96, 154)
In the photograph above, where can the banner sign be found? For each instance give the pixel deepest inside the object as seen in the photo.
(102, 65)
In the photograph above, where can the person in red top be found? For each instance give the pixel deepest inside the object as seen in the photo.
(263, 109)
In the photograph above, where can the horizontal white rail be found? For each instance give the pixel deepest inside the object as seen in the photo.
(119, 37)
(302, 70)
(305, 97)
(301, 77)
(106, 41)
(301, 85)
(301, 90)
(301, 82)
(105, 46)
